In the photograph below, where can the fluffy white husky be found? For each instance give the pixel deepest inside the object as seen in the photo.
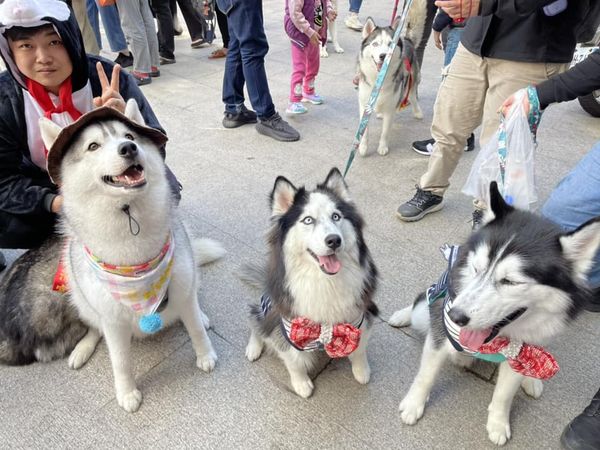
(332, 31)
(118, 215)
(402, 79)
(513, 286)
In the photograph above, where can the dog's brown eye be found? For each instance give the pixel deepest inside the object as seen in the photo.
(93, 146)
(129, 136)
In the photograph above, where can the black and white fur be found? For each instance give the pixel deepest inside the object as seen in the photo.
(374, 48)
(39, 324)
(307, 224)
(517, 260)
(332, 31)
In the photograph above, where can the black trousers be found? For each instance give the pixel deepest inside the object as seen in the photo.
(431, 11)
(222, 21)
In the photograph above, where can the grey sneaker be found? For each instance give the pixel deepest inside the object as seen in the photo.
(234, 120)
(277, 128)
(422, 203)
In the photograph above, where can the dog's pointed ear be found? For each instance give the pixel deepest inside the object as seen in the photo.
(580, 246)
(395, 23)
(498, 206)
(132, 112)
(49, 131)
(282, 196)
(368, 28)
(335, 182)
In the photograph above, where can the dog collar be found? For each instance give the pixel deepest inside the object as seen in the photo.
(337, 340)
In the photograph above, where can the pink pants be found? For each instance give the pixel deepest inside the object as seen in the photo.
(305, 67)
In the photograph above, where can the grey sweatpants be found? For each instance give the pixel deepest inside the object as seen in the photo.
(138, 25)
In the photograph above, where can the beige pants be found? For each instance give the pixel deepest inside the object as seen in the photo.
(468, 97)
(89, 38)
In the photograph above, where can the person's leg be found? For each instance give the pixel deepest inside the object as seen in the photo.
(354, 6)
(582, 433)
(112, 27)
(134, 28)
(313, 61)
(420, 50)
(150, 31)
(233, 79)
(452, 41)
(352, 21)
(166, 36)
(89, 38)
(25, 231)
(222, 21)
(92, 13)
(192, 20)
(576, 199)
(298, 72)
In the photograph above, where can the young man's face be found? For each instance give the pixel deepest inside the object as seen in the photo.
(42, 58)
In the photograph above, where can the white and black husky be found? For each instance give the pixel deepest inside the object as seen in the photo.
(332, 31)
(402, 79)
(128, 261)
(513, 286)
(319, 282)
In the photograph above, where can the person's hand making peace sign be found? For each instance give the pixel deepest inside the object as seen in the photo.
(111, 96)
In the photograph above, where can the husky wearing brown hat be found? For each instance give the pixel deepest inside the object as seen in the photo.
(124, 259)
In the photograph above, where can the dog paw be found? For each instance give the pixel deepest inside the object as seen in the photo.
(401, 318)
(418, 115)
(411, 410)
(532, 387)
(80, 355)
(207, 362)
(498, 431)
(324, 53)
(383, 150)
(361, 372)
(131, 401)
(253, 351)
(362, 149)
(339, 49)
(303, 387)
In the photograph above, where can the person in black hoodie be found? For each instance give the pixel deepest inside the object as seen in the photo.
(49, 75)
(574, 201)
(506, 45)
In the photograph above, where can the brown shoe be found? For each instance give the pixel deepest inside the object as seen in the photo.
(219, 53)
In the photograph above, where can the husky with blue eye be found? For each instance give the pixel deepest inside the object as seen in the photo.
(319, 282)
(511, 288)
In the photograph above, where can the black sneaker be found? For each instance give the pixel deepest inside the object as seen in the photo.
(583, 433)
(424, 147)
(470, 143)
(477, 219)
(165, 60)
(594, 304)
(422, 203)
(234, 120)
(124, 60)
(277, 128)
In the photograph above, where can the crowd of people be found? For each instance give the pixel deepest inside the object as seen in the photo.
(496, 52)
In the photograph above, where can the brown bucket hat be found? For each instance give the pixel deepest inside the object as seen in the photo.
(102, 114)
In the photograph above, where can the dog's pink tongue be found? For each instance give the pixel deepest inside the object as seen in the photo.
(473, 339)
(330, 263)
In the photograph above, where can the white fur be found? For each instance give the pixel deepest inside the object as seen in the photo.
(94, 218)
(333, 35)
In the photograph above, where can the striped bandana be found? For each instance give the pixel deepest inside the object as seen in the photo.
(141, 287)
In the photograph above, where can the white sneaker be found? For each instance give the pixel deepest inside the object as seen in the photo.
(352, 21)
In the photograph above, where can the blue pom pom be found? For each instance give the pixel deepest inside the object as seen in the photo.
(151, 323)
(509, 200)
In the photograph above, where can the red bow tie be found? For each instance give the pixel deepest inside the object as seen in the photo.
(344, 338)
(529, 360)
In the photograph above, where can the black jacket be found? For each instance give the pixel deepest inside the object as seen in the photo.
(519, 30)
(581, 79)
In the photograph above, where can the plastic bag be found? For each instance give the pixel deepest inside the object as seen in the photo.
(508, 159)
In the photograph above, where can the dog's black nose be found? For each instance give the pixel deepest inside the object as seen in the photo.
(382, 56)
(127, 149)
(333, 241)
(458, 317)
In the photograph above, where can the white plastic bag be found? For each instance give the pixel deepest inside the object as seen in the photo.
(517, 183)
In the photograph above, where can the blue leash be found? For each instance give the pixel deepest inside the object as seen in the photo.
(364, 120)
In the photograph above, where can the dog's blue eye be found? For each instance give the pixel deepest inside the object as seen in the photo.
(336, 217)
(375, 44)
(129, 136)
(308, 220)
(93, 146)
(508, 282)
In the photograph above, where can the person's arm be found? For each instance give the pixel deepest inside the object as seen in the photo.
(502, 8)
(441, 21)
(297, 17)
(581, 79)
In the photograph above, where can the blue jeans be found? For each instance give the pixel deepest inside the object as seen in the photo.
(576, 199)
(245, 61)
(111, 22)
(452, 41)
(355, 5)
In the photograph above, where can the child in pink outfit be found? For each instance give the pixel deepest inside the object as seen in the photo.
(306, 25)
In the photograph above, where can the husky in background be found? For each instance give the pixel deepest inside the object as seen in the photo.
(318, 285)
(333, 34)
(118, 215)
(403, 76)
(519, 279)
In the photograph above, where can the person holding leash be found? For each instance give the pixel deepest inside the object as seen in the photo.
(48, 75)
(574, 201)
(501, 51)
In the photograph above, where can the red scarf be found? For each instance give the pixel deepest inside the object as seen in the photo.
(40, 94)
